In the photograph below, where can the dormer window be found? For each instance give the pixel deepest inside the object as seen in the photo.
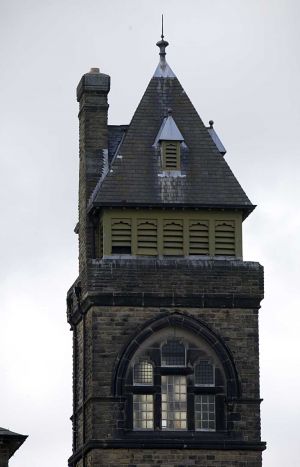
(170, 154)
(169, 139)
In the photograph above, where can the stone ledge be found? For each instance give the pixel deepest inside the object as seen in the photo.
(167, 443)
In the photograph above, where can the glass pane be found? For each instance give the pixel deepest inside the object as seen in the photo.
(143, 373)
(205, 417)
(173, 354)
(143, 412)
(173, 389)
(204, 373)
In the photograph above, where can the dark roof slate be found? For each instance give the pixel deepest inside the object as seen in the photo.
(115, 135)
(135, 176)
(6, 432)
(11, 440)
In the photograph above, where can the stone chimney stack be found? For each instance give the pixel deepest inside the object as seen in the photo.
(92, 92)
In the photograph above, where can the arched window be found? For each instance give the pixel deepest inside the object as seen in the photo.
(175, 382)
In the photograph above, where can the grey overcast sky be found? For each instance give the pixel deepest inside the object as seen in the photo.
(238, 61)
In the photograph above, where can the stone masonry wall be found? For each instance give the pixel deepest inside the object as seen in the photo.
(113, 327)
(181, 277)
(109, 329)
(172, 458)
(222, 294)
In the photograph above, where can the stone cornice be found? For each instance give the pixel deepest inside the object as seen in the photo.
(140, 442)
(224, 301)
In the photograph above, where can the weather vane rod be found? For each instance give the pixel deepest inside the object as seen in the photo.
(162, 44)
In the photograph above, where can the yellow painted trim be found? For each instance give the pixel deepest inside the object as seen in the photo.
(211, 230)
(106, 233)
(186, 236)
(160, 215)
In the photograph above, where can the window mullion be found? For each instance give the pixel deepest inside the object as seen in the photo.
(190, 412)
(220, 418)
(157, 410)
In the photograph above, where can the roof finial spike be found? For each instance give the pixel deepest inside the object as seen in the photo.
(162, 44)
(163, 70)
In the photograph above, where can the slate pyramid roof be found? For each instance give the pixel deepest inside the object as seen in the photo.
(11, 440)
(135, 176)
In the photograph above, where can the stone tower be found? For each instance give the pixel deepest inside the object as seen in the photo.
(164, 312)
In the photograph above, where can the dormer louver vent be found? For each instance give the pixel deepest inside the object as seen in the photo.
(171, 155)
(173, 237)
(225, 238)
(121, 236)
(147, 237)
(198, 238)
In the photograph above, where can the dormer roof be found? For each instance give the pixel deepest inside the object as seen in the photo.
(169, 131)
(135, 176)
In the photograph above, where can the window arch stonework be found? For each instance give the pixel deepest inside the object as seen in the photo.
(187, 393)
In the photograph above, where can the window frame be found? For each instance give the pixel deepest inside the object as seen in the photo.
(135, 395)
(204, 385)
(192, 391)
(133, 373)
(195, 411)
(170, 401)
(165, 342)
